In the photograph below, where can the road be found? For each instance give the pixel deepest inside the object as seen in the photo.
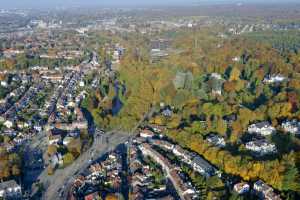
(58, 185)
(63, 177)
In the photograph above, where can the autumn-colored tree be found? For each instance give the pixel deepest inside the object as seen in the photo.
(74, 147)
(111, 197)
(278, 110)
(174, 121)
(229, 86)
(237, 130)
(235, 74)
(221, 127)
(15, 170)
(294, 84)
(259, 74)
(52, 149)
(68, 159)
(50, 170)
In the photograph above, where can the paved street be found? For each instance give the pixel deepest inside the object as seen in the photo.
(103, 143)
(57, 185)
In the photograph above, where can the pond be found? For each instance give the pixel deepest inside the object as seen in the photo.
(117, 104)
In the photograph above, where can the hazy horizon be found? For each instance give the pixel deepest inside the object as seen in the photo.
(121, 3)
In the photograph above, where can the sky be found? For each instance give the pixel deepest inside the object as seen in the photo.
(120, 3)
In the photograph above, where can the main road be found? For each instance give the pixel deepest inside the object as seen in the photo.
(110, 141)
(55, 185)
(58, 185)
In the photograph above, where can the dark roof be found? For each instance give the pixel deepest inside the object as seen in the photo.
(56, 131)
(262, 124)
(203, 163)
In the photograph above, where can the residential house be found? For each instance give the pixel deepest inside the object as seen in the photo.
(8, 124)
(146, 133)
(241, 188)
(203, 167)
(95, 170)
(164, 144)
(236, 59)
(167, 112)
(157, 128)
(92, 196)
(54, 139)
(274, 78)
(216, 76)
(262, 147)
(10, 190)
(262, 128)
(216, 83)
(67, 140)
(8, 53)
(230, 118)
(216, 140)
(180, 152)
(147, 150)
(56, 160)
(264, 191)
(10, 132)
(3, 84)
(291, 126)
(70, 127)
(37, 128)
(74, 133)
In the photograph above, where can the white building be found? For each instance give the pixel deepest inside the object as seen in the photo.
(264, 191)
(241, 188)
(81, 84)
(10, 189)
(146, 134)
(291, 126)
(216, 76)
(54, 139)
(8, 124)
(67, 140)
(4, 83)
(236, 59)
(262, 128)
(262, 147)
(216, 140)
(274, 78)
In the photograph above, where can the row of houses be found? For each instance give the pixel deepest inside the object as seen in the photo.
(142, 178)
(13, 96)
(185, 191)
(260, 147)
(217, 80)
(261, 189)
(105, 173)
(192, 159)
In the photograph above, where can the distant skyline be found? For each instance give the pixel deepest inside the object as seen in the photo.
(121, 3)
